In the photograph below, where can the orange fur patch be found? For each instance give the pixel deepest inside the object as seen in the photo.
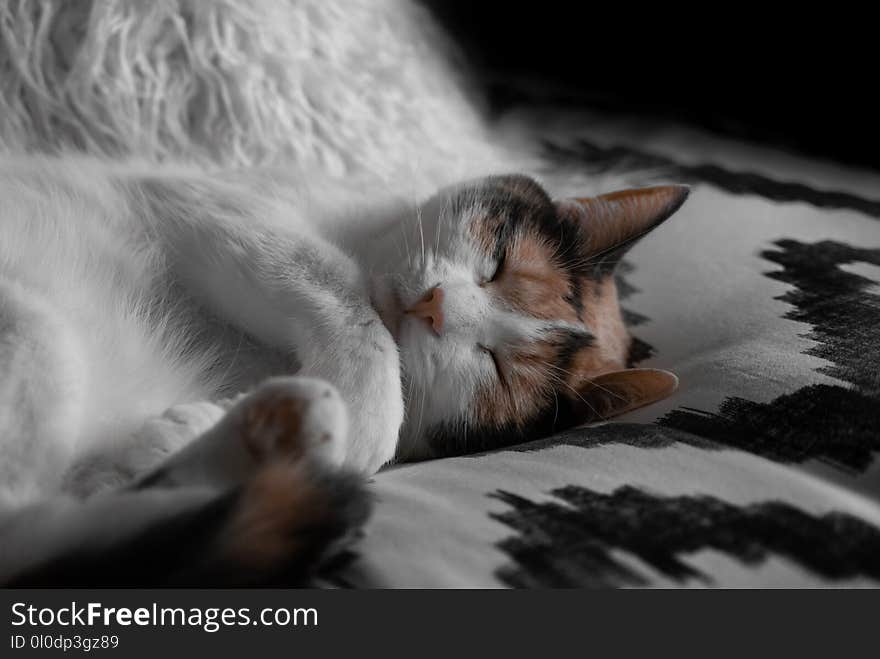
(484, 231)
(527, 379)
(278, 504)
(601, 311)
(532, 282)
(531, 373)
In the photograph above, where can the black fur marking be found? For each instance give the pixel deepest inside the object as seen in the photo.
(620, 157)
(524, 204)
(624, 288)
(632, 318)
(576, 541)
(451, 439)
(156, 556)
(569, 344)
(639, 350)
(838, 425)
(182, 551)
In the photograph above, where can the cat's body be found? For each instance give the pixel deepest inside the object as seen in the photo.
(136, 307)
(127, 293)
(144, 312)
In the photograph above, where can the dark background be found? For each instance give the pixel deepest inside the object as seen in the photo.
(806, 80)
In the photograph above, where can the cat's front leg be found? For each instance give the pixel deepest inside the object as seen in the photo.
(318, 305)
(363, 363)
(266, 271)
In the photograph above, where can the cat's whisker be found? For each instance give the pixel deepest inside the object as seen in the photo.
(629, 239)
(421, 235)
(581, 398)
(407, 382)
(406, 244)
(437, 230)
(584, 263)
(421, 411)
(592, 382)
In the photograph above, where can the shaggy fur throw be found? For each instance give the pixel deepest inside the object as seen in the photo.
(338, 84)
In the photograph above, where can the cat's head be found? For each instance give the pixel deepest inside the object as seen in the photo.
(504, 306)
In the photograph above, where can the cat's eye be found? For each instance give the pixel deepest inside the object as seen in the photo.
(495, 362)
(499, 267)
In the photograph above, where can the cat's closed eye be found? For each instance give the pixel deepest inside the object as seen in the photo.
(495, 362)
(499, 268)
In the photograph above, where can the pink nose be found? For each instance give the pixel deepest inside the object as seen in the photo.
(430, 308)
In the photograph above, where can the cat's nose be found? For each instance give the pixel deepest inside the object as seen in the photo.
(430, 307)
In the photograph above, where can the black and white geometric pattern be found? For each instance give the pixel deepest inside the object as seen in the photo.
(763, 295)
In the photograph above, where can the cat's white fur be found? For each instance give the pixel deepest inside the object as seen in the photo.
(123, 294)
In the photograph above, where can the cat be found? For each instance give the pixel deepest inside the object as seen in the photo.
(485, 316)
(228, 354)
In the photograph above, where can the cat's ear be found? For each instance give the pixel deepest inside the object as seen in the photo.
(612, 223)
(613, 394)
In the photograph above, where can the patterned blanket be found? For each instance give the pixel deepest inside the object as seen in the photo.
(763, 295)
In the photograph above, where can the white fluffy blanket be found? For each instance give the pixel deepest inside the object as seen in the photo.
(337, 84)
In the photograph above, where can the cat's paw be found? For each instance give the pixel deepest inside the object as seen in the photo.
(283, 419)
(160, 437)
(293, 418)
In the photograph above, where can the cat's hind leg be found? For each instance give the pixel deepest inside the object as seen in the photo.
(116, 465)
(252, 502)
(258, 497)
(43, 377)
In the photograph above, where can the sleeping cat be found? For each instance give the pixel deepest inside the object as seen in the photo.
(485, 316)
(224, 357)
